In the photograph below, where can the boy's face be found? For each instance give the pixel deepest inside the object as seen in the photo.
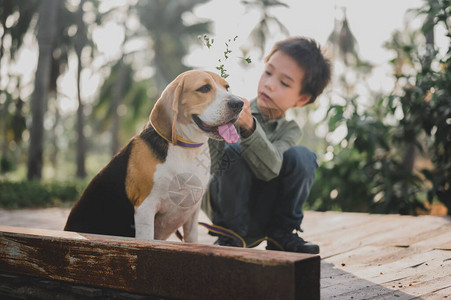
(280, 86)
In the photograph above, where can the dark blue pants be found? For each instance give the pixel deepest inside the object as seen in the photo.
(255, 208)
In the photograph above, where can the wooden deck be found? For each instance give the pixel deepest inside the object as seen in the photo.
(382, 256)
(363, 256)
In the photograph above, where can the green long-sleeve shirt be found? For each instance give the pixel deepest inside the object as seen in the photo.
(263, 149)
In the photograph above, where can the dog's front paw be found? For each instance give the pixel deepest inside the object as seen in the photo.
(144, 231)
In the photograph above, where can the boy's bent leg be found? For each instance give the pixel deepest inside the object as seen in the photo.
(295, 182)
(229, 191)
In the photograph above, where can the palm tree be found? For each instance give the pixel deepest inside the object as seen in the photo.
(344, 44)
(65, 43)
(344, 48)
(25, 11)
(118, 84)
(81, 41)
(62, 45)
(262, 29)
(170, 40)
(120, 91)
(22, 15)
(48, 12)
(170, 36)
(123, 73)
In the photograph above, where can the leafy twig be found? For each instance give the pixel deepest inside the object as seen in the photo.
(208, 42)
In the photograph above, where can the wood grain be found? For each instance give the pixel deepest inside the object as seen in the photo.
(166, 269)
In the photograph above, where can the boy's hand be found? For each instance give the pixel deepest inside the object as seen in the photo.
(246, 121)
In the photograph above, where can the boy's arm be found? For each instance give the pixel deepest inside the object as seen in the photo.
(264, 157)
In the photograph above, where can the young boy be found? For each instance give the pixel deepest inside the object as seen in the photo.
(259, 184)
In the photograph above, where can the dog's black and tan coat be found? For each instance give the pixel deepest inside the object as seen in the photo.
(147, 189)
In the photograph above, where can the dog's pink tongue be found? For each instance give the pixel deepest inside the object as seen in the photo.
(228, 133)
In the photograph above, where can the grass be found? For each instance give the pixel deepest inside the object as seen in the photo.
(58, 186)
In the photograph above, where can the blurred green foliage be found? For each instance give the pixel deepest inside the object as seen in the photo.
(35, 194)
(372, 167)
(366, 173)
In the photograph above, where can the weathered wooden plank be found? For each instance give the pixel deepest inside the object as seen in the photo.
(26, 287)
(437, 240)
(440, 294)
(388, 234)
(385, 260)
(356, 230)
(409, 264)
(407, 287)
(350, 237)
(330, 222)
(379, 261)
(403, 276)
(429, 289)
(422, 232)
(167, 269)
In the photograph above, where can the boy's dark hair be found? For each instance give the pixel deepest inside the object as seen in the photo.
(307, 53)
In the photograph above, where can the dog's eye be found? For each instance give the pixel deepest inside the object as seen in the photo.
(204, 89)
(227, 87)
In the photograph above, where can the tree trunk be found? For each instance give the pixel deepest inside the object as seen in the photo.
(4, 111)
(117, 96)
(54, 139)
(80, 43)
(410, 153)
(2, 42)
(46, 34)
(81, 140)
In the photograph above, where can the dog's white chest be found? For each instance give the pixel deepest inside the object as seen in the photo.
(179, 184)
(182, 179)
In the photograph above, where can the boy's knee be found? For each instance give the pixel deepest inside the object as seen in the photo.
(299, 159)
(232, 161)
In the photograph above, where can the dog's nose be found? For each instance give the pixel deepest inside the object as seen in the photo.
(235, 104)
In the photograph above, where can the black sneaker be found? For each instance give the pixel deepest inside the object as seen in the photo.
(291, 242)
(227, 241)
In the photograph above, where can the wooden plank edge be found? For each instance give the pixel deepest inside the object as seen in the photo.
(167, 269)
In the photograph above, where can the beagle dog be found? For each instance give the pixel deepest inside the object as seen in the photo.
(153, 186)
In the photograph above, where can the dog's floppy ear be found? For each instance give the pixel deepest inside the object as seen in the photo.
(164, 114)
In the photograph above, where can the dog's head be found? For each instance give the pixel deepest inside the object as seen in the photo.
(197, 103)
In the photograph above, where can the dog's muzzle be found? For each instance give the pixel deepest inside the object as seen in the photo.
(236, 105)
